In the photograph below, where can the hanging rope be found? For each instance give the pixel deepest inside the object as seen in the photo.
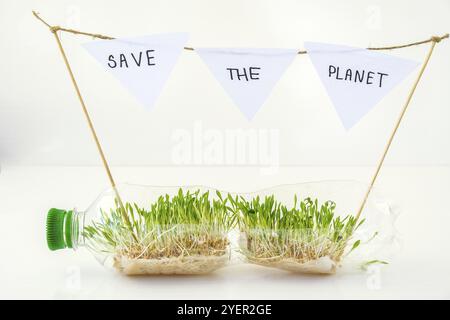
(434, 39)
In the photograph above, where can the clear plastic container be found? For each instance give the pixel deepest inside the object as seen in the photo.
(186, 230)
(150, 230)
(320, 247)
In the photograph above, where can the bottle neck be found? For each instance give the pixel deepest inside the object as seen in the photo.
(77, 229)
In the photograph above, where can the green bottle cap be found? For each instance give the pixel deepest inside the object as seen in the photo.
(59, 229)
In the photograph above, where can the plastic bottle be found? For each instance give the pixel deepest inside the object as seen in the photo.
(186, 230)
(147, 230)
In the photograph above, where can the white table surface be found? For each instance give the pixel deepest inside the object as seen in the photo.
(29, 270)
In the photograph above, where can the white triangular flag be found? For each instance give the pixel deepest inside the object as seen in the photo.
(142, 64)
(356, 79)
(247, 75)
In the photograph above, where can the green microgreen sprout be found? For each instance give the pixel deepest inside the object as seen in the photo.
(194, 223)
(365, 266)
(186, 224)
(304, 232)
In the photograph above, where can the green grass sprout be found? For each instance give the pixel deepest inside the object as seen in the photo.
(186, 224)
(195, 223)
(304, 232)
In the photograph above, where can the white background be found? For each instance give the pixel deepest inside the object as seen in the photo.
(49, 159)
(41, 121)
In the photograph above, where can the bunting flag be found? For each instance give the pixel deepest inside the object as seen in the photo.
(247, 75)
(356, 79)
(142, 64)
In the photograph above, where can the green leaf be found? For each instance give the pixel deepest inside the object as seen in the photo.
(365, 265)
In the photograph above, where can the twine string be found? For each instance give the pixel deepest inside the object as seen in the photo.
(435, 39)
